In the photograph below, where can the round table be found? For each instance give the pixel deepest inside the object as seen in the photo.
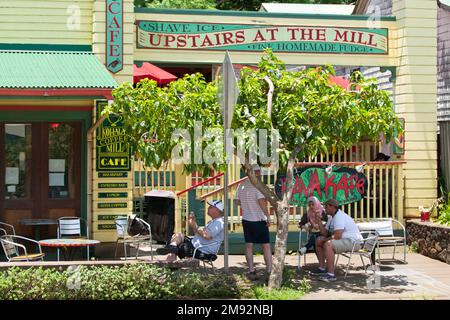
(68, 244)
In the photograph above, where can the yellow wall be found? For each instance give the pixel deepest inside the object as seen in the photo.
(99, 39)
(183, 56)
(415, 98)
(45, 21)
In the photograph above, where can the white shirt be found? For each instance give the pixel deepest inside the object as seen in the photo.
(215, 230)
(342, 221)
(248, 195)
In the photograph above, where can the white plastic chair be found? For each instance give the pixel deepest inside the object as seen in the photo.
(367, 246)
(12, 247)
(70, 227)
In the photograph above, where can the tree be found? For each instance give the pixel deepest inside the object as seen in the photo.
(246, 5)
(311, 114)
(177, 4)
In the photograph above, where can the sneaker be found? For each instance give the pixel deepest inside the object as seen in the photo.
(302, 250)
(328, 278)
(167, 249)
(318, 272)
(252, 275)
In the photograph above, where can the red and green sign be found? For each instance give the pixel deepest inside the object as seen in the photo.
(114, 35)
(281, 38)
(346, 185)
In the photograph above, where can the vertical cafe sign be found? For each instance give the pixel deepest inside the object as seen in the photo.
(114, 35)
(113, 149)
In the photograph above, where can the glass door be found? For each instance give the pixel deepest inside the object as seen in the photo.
(40, 175)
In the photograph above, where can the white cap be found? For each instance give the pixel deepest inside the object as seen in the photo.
(216, 204)
(256, 167)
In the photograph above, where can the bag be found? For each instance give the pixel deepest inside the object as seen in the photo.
(136, 227)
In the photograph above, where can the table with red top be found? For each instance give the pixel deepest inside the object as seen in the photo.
(68, 244)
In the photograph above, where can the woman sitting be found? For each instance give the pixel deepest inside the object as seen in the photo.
(315, 208)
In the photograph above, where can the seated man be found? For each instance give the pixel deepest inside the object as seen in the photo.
(339, 235)
(183, 246)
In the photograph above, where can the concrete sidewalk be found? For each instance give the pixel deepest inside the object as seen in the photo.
(420, 278)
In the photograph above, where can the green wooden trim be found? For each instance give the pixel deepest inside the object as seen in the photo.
(45, 116)
(260, 14)
(45, 47)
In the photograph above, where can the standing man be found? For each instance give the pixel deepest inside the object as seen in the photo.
(339, 235)
(255, 221)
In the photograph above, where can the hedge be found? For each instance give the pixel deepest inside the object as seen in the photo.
(134, 281)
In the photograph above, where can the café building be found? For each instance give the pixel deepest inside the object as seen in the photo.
(60, 60)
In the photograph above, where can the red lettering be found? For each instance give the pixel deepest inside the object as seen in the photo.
(240, 38)
(111, 5)
(370, 41)
(113, 34)
(114, 50)
(272, 33)
(329, 183)
(314, 184)
(181, 41)
(206, 42)
(343, 184)
(341, 36)
(218, 42)
(360, 41)
(114, 20)
(193, 37)
(169, 39)
(361, 186)
(292, 31)
(227, 38)
(353, 37)
(259, 37)
(152, 36)
(307, 33)
(321, 35)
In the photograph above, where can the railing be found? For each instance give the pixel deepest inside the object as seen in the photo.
(147, 179)
(384, 198)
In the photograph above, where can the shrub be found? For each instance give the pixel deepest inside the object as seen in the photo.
(137, 281)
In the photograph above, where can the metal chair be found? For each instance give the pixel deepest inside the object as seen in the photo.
(125, 238)
(4, 229)
(207, 258)
(385, 229)
(301, 244)
(70, 227)
(11, 247)
(367, 246)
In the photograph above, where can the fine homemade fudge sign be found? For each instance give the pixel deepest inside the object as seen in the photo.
(310, 39)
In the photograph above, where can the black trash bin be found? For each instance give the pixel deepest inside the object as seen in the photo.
(160, 207)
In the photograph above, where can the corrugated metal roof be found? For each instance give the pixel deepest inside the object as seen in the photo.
(53, 69)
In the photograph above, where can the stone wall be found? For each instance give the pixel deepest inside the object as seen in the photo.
(431, 239)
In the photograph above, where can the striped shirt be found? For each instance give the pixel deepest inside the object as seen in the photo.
(248, 195)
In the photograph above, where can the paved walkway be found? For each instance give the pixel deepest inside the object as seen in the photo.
(420, 278)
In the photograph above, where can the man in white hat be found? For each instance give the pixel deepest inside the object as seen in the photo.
(211, 235)
(255, 221)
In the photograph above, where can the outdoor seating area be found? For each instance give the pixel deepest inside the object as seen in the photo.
(70, 234)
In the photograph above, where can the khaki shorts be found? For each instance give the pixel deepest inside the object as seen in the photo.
(344, 245)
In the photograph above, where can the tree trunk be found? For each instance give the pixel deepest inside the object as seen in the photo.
(276, 276)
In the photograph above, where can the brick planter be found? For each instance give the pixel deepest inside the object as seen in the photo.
(431, 239)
